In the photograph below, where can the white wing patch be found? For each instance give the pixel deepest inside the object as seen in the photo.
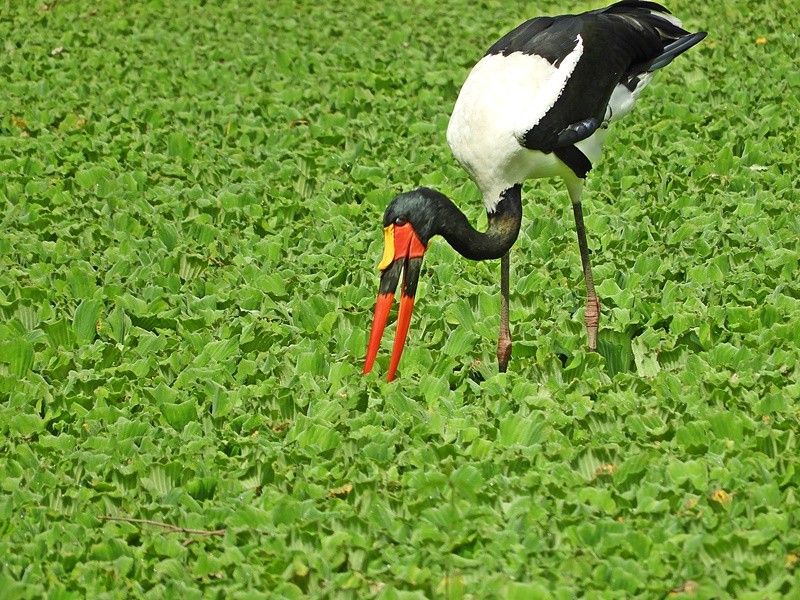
(622, 99)
(502, 98)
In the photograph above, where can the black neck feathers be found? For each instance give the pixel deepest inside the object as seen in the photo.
(432, 213)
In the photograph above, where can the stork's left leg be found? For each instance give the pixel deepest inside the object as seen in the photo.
(504, 339)
(591, 315)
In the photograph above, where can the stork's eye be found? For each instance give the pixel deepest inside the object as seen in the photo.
(400, 221)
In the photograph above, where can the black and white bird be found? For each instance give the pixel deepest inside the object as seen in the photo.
(538, 104)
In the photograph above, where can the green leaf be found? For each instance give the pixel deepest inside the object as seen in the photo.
(727, 425)
(318, 438)
(108, 550)
(163, 394)
(527, 591)
(82, 280)
(520, 431)
(631, 468)
(616, 348)
(26, 424)
(645, 358)
(90, 178)
(179, 145)
(601, 499)
(692, 434)
(168, 234)
(312, 363)
(120, 324)
(171, 568)
(160, 481)
(222, 350)
(59, 334)
(460, 342)
(724, 160)
(190, 267)
(287, 510)
(273, 285)
(223, 401)
(467, 480)
(181, 414)
(202, 488)
(85, 321)
(694, 471)
(325, 326)
(391, 593)
(19, 355)
(206, 565)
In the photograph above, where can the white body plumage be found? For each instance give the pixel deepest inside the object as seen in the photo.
(503, 97)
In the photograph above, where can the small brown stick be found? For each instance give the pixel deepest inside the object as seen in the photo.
(167, 526)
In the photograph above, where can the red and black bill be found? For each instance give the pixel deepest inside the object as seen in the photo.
(403, 252)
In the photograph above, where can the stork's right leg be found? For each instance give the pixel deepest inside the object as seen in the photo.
(504, 339)
(591, 315)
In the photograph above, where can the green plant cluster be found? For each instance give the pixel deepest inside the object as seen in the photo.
(191, 206)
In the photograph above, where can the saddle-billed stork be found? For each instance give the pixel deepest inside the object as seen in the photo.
(536, 105)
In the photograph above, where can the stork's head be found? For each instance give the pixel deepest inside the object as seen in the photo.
(410, 220)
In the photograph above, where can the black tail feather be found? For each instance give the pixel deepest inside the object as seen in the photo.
(674, 49)
(649, 14)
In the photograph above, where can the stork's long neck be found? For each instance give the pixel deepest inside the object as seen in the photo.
(501, 234)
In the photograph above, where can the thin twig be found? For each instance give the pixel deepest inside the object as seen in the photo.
(167, 526)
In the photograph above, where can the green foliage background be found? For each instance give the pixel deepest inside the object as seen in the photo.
(191, 201)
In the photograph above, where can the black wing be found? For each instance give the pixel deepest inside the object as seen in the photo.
(620, 43)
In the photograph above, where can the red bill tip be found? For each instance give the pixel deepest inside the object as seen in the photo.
(382, 308)
(403, 322)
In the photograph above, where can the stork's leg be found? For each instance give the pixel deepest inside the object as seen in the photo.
(504, 339)
(591, 315)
